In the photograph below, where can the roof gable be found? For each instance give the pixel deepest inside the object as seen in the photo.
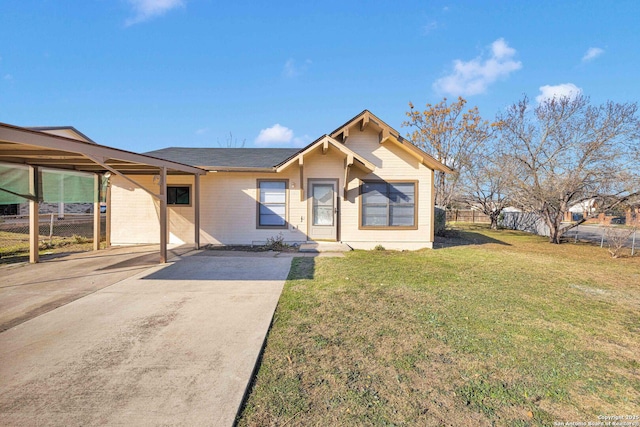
(66, 131)
(387, 134)
(324, 143)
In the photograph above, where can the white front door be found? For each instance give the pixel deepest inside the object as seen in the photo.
(323, 210)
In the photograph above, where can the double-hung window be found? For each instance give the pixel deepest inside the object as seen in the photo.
(272, 204)
(388, 204)
(178, 195)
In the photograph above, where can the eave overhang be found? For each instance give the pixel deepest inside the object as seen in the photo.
(35, 148)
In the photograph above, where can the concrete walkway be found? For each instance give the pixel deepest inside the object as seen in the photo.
(171, 345)
(324, 247)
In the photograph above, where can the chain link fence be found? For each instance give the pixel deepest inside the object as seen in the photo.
(614, 238)
(54, 232)
(617, 238)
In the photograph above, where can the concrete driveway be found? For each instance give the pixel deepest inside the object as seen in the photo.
(171, 345)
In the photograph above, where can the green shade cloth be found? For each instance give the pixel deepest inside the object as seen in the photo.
(57, 185)
(67, 187)
(13, 179)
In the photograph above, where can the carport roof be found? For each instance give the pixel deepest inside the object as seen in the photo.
(37, 148)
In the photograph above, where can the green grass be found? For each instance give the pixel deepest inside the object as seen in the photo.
(14, 247)
(510, 330)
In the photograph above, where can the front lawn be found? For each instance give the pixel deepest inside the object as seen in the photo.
(502, 329)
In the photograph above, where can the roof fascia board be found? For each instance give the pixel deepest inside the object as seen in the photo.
(25, 136)
(237, 169)
(422, 157)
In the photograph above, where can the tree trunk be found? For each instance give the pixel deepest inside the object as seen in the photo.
(554, 222)
(493, 217)
(554, 236)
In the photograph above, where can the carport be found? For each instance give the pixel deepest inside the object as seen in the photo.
(31, 151)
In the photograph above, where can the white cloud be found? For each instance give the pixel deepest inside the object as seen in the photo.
(474, 77)
(202, 131)
(429, 27)
(281, 135)
(147, 9)
(558, 91)
(291, 69)
(276, 134)
(592, 53)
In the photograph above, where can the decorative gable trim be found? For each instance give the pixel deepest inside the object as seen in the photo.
(387, 134)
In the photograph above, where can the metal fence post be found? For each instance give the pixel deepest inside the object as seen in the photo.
(51, 230)
(602, 239)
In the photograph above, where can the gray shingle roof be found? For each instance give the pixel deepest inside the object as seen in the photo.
(221, 158)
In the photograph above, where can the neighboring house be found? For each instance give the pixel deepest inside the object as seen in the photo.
(60, 208)
(624, 214)
(633, 216)
(580, 210)
(363, 184)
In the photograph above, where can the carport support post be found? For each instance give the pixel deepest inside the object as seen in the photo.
(34, 226)
(163, 215)
(196, 210)
(108, 222)
(96, 212)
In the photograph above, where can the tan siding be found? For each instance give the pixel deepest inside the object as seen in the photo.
(228, 214)
(135, 213)
(392, 163)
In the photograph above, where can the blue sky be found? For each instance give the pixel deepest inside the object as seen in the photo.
(147, 74)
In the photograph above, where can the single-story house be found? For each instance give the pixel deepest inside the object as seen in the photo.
(362, 184)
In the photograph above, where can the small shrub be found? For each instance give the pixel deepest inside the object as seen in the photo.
(379, 248)
(617, 239)
(440, 221)
(43, 246)
(276, 243)
(80, 239)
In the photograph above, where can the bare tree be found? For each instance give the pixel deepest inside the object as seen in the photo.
(452, 136)
(565, 151)
(232, 143)
(485, 185)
